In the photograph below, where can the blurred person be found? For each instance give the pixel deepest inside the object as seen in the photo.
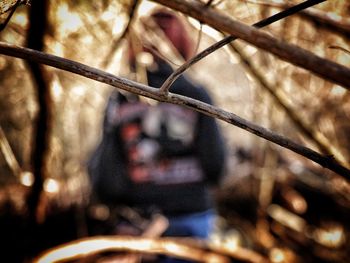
(161, 156)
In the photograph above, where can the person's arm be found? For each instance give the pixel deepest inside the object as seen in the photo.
(210, 144)
(106, 166)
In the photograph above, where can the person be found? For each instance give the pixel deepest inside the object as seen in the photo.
(162, 156)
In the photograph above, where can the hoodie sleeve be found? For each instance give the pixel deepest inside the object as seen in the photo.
(210, 143)
(106, 166)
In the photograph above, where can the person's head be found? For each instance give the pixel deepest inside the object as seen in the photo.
(161, 24)
(175, 30)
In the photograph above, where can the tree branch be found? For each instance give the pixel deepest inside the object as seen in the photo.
(175, 247)
(323, 144)
(337, 25)
(147, 91)
(13, 10)
(291, 53)
(9, 155)
(341, 26)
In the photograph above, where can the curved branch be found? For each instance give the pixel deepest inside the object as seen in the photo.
(165, 246)
(291, 53)
(147, 91)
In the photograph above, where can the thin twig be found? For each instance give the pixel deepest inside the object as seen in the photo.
(9, 155)
(154, 93)
(340, 48)
(209, 3)
(217, 3)
(199, 37)
(116, 42)
(320, 18)
(291, 53)
(4, 24)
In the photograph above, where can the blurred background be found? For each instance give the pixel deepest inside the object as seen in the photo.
(272, 200)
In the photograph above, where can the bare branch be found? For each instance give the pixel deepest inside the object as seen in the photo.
(143, 90)
(340, 48)
(315, 136)
(339, 25)
(291, 53)
(175, 247)
(9, 155)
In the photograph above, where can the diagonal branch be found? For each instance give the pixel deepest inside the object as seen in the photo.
(291, 53)
(7, 20)
(307, 130)
(9, 155)
(147, 91)
(335, 24)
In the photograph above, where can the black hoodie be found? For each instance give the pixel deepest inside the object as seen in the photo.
(164, 156)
